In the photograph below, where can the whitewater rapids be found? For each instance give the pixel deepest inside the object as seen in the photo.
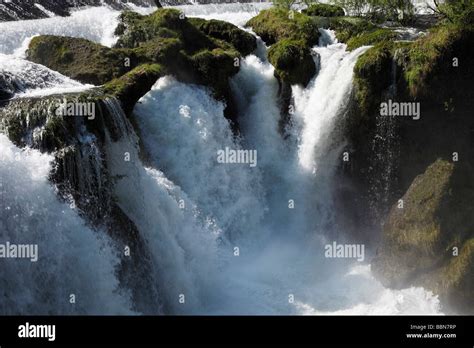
(235, 247)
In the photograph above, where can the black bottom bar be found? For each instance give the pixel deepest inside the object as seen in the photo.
(329, 330)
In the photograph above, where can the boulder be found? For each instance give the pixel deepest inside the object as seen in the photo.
(429, 241)
(324, 10)
(79, 59)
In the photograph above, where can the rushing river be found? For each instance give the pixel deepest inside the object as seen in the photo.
(237, 247)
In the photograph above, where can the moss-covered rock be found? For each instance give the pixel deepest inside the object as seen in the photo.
(396, 157)
(348, 27)
(429, 60)
(429, 241)
(193, 50)
(165, 42)
(135, 29)
(79, 59)
(292, 61)
(371, 38)
(130, 87)
(276, 24)
(243, 42)
(213, 65)
(372, 75)
(324, 10)
(291, 34)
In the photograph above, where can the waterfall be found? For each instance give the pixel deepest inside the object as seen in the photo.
(217, 238)
(235, 13)
(96, 24)
(280, 249)
(72, 258)
(26, 79)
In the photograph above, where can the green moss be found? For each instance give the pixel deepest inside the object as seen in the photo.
(158, 50)
(277, 24)
(214, 69)
(244, 42)
(427, 54)
(419, 238)
(457, 274)
(370, 38)
(417, 225)
(324, 10)
(132, 86)
(292, 35)
(79, 59)
(292, 61)
(32, 121)
(348, 27)
(137, 29)
(372, 75)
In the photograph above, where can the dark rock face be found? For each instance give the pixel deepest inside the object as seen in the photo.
(424, 162)
(7, 87)
(82, 175)
(429, 241)
(244, 42)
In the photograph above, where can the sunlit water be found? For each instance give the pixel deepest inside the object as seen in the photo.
(280, 251)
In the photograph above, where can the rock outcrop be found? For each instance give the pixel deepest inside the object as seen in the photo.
(422, 160)
(291, 35)
(428, 237)
(165, 42)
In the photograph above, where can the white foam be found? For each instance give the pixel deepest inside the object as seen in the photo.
(73, 259)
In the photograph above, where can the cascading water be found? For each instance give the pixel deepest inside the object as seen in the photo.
(281, 250)
(222, 235)
(72, 259)
(26, 79)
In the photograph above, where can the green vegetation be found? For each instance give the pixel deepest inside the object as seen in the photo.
(242, 41)
(165, 42)
(285, 4)
(456, 11)
(292, 61)
(419, 239)
(130, 87)
(135, 29)
(291, 34)
(370, 38)
(380, 10)
(372, 75)
(79, 59)
(324, 10)
(276, 24)
(433, 53)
